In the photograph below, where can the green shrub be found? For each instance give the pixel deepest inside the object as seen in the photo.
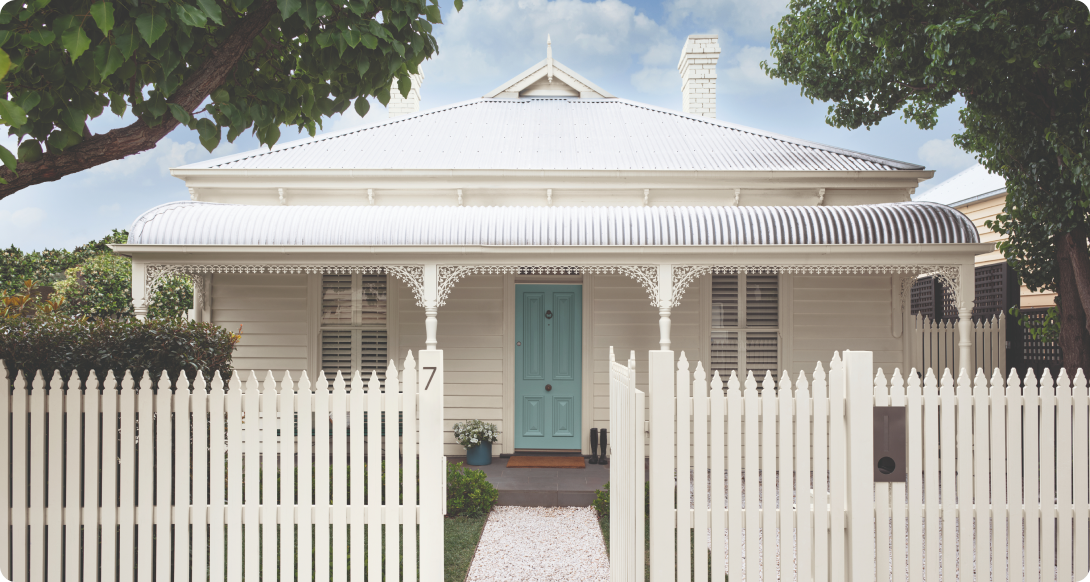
(468, 492)
(67, 344)
(601, 501)
(49, 266)
(99, 287)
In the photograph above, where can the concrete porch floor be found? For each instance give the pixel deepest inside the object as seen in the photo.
(543, 487)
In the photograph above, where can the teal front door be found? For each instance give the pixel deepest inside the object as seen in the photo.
(548, 366)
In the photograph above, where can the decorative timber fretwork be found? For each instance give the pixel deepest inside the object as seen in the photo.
(646, 275)
(684, 275)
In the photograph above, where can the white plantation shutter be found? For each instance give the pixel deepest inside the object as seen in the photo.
(745, 325)
(353, 325)
(725, 301)
(762, 301)
(337, 352)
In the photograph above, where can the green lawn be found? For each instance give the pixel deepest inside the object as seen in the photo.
(460, 535)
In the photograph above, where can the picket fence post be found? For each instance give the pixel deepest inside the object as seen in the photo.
(432, 465)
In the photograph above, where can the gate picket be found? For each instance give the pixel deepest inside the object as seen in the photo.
(717, 410)
(202, 479)
(183, 478)
(38, 442)
(268, 477)
(786, 475)
(914, 476)
(683, 526)
(821, 476)
(235, 479)
(752, 484)
(804, 503)
(72, 415)
(162, 477)
(700, 475)
(837, 471)
(947, 483)
(338, 407)
(1063, 476)
(323, 424)
(251, 471)
(1015, 459)
(1081, 486)
(999, 477)
(409, 390)
(768, 479)
(931, 475)
(964, 454)
(304, 406)
(898, 495)
(734, 406)
(881, 496)
(393, 467)
(288, 438)
(54, 481)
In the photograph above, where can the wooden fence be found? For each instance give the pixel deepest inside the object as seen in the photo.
(626, 521)
(983, 460)
(214, 486)
(934, 343)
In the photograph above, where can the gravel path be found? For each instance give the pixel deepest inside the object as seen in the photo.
(540, 544)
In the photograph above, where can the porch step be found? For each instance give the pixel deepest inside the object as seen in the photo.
(543, 487)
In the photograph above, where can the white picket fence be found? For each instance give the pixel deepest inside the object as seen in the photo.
(934, 344)
(626, 520)
(984, 460)
(213, 486)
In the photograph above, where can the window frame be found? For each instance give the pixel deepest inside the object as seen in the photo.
(355, 327)
(742, 328)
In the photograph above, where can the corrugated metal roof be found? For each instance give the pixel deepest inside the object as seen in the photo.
(205, 223)
(553, 134)
(974, 183)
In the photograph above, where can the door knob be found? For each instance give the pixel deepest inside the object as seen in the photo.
(548, 387)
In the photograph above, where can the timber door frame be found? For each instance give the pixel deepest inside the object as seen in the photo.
(507, 442)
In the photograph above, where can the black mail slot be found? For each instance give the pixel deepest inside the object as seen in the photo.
(890, 453)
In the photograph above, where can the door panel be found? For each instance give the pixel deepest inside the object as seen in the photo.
(548, 366)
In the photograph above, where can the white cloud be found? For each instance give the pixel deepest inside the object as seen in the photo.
(743, 73)
(23, 219)
(490, 41)
(943, 154)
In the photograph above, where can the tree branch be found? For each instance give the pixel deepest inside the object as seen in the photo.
(1080, 266)
(138, 137)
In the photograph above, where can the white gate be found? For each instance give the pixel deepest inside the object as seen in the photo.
(785, 477)
(626, 486)
(196, 492)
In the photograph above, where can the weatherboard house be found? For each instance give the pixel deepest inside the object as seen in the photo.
(528, 232)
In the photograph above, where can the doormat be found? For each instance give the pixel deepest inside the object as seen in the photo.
(534, 462)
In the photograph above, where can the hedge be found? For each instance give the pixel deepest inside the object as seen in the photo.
(67, 344)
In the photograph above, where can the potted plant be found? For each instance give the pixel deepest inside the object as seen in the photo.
(477, 437)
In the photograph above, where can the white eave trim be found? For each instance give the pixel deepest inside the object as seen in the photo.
(741, 255)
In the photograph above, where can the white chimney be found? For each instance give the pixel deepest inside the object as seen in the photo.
(399, 105)
(697, 68)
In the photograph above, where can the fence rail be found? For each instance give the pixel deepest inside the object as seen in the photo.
(985, 460)
(141, 480)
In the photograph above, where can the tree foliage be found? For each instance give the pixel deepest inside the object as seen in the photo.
(89, 281)
(263, 63)
(1021, 69)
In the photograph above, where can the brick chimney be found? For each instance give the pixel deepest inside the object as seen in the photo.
(399, 105)
(697, 68)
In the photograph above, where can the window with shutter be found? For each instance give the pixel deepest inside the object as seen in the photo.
(353, 325)
(745, 325)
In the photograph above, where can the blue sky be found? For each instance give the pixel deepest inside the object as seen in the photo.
(628, 48)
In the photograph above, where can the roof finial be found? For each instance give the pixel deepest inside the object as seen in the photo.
(549, 56)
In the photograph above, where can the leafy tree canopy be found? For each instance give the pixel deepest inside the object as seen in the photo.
(1021, 69)
(264, 63)
(89, 281)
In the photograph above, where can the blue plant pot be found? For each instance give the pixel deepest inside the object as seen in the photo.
(479, 455)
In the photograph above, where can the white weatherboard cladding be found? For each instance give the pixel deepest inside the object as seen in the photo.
(553, 134)
(204, 223)
(272, 310)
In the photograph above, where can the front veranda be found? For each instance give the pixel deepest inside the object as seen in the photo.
(743, 308)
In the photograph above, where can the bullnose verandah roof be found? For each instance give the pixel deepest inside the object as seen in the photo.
(205, 223)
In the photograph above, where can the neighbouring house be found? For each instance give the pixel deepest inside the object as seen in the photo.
(980, 195)
(530, 231)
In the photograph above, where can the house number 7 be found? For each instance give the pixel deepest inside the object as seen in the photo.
(432, 368)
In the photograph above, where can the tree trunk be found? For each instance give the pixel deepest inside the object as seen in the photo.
(1074, 292)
